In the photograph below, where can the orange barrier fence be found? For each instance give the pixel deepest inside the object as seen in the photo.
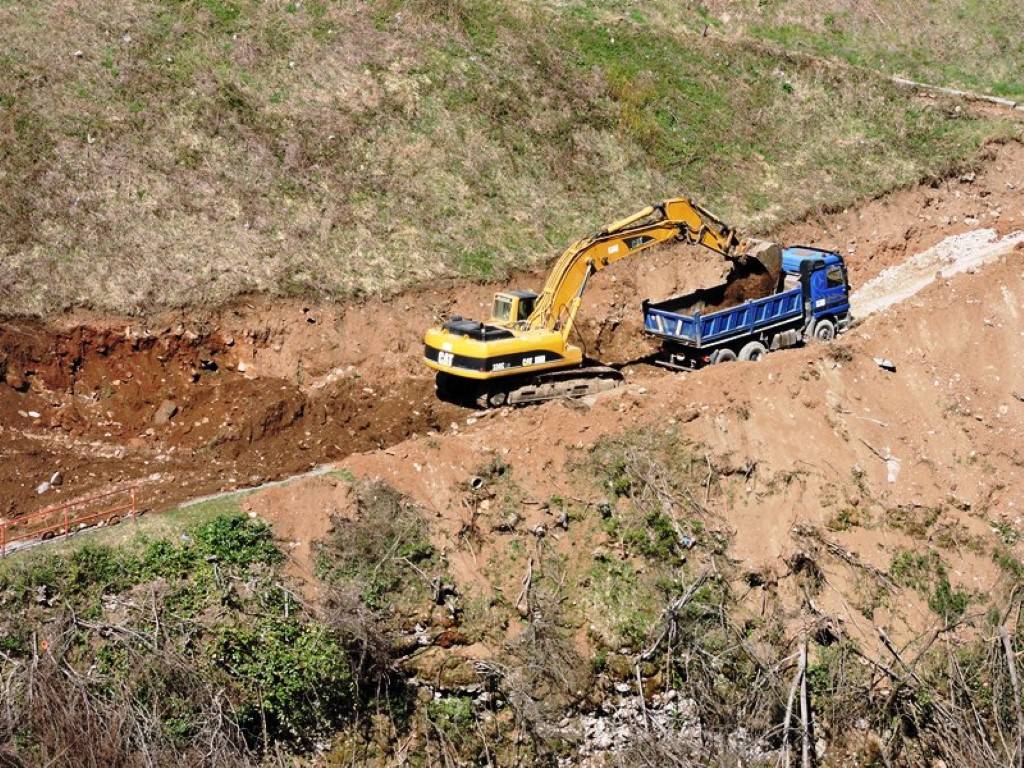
(103, 508)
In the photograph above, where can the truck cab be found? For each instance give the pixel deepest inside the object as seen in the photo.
(827, 292)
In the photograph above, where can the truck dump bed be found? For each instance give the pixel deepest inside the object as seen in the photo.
(680, 320)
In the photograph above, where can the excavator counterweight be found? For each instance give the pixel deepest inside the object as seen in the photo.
(522, 353)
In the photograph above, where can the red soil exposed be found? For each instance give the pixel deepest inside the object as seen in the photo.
(268, 388)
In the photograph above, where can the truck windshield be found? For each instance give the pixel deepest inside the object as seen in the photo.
(835, 277)
(502, 308)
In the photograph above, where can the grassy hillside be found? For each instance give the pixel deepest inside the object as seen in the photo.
(170, 152)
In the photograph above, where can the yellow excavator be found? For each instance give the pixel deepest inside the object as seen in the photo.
(523, 353)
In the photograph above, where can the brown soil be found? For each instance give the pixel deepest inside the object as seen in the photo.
(800, 437)
(255, 400)
(267, 389)
(813, 427)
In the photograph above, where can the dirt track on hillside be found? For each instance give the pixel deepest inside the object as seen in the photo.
(267, 389)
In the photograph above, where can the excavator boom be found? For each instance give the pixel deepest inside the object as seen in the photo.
(676, 219)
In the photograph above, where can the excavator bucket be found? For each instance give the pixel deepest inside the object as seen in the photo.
(765, 253)
(756, 273)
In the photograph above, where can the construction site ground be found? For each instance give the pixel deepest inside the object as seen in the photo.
(193, 403)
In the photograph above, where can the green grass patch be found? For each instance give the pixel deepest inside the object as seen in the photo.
(372, 148)
(925, 573)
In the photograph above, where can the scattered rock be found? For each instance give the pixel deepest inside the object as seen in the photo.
(56, 479)
(42, 488)
(892, 468)
(166, 412)
(508, 523)
(690, 414)
(16, 381)
(442, 671)
(33, 414)
(885, 364)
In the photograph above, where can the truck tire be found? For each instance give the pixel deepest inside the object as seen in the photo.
(722, 356)
(824, 330)
(753, 351)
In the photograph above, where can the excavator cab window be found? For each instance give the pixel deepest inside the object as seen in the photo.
(525, 308)
(502, 311)
(512, 308)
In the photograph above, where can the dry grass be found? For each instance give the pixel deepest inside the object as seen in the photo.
(158, 154)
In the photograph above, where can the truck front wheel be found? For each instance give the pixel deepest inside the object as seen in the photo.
(824, 330)
(753, 351)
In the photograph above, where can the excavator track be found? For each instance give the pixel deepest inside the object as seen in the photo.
(555, 385)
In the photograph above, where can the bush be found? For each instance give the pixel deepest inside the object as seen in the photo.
(382, 553)
(238, 540)
(926, 574)
(295, 677)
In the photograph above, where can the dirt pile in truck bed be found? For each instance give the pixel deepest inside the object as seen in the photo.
(747, 281)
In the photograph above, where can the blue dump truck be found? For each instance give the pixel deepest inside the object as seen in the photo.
(807, 297)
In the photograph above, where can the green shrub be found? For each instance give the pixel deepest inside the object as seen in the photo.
(926, 574)
(238, 540)
(295, 677)
(383, 552)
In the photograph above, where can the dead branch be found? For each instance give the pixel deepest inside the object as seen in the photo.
(522, 603)
(1011, 666)
(805, 710)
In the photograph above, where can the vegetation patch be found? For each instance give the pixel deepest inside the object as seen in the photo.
(925, 573)
(345, 149)
(171, 647)
(660, 486)
(383, 554)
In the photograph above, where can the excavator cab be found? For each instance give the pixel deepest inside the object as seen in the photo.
(512, 307)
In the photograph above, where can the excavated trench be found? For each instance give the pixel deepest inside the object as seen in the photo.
(181, 411)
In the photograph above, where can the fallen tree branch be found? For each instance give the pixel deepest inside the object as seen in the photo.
(524, 594)
(1011, 666)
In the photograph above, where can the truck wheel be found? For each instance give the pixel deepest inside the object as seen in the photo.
(753, 351)
(722, 356)
(824, 330)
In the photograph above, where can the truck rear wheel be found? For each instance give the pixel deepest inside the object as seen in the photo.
(753, 351)
(722, 356)
(824, 330)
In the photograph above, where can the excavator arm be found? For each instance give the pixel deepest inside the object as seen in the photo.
(676, 219)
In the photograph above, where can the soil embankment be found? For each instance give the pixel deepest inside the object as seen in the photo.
(189, 403)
